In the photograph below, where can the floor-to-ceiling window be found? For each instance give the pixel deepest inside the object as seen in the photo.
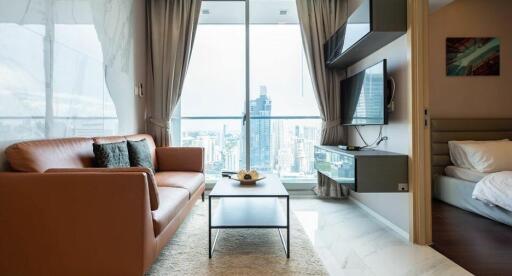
(65, 68)
(248, 97)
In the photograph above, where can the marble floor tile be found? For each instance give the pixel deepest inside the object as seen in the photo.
(352, 242)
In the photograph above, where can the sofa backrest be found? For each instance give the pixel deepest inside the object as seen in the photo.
(41, 155)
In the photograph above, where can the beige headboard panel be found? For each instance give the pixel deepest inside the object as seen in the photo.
(444, 130)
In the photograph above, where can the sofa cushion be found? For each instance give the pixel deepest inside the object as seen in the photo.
(171, 200)
(151, 145)
(111, 155)
(38, 156)
(191, 181)
(140, 155)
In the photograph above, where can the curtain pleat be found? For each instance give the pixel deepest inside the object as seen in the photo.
(170, 37)
(319, 19)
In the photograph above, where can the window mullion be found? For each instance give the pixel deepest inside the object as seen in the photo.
(247, 124)
(49, 52)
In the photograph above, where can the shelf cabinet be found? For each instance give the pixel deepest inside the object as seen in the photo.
(365, 171)
(371, 26)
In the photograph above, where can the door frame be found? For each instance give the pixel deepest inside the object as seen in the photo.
(419, 169)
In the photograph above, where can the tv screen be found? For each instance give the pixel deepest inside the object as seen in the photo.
(363, 97)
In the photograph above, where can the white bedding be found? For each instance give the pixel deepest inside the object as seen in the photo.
(490, 156)
(495, 189)
(464, 174)
(459, 154)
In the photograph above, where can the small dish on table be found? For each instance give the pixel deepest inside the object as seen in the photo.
(247, 178)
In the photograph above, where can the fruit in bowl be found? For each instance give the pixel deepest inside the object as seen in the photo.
(248, 177)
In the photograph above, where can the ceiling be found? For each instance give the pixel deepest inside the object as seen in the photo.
(212, 12)
(261, 12)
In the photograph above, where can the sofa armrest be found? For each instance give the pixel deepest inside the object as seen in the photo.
(180, 159)
(68, 223)
(153, 190)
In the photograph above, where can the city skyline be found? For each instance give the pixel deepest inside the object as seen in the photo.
(280, 146)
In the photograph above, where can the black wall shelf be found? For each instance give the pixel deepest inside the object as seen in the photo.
(385, 21)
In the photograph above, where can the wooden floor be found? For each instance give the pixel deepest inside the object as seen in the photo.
(480, 245)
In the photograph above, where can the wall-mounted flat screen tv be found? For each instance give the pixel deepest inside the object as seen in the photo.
(364, 97)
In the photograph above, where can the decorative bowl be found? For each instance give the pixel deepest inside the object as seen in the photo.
(247, 181)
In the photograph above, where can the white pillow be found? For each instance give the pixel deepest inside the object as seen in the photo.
(459, 157)
(464, 174)
(490, 156)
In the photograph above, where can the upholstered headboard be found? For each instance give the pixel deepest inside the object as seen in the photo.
(444, 130)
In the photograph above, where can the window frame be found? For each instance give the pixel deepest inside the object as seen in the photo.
(245, 117)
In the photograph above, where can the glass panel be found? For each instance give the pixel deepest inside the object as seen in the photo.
(285, 147)
(215, 87)
(221, 140)
(280, 85)
(80, 98)
(22, 81)
(215, 82)
(337, 166)
(278, 68)
(52, 76)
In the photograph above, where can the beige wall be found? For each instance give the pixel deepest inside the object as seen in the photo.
(392, 206)
(478, 96)
(139, 60)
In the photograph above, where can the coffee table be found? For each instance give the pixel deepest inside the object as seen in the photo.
(249, 206)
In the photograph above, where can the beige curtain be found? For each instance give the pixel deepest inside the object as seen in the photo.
(170, 36)
(319, 19)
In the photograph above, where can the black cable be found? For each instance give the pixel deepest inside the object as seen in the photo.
(379, 138)
(361, 136)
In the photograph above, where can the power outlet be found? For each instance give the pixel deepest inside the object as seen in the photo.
(403, 187)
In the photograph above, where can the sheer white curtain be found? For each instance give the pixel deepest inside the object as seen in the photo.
(66, 68)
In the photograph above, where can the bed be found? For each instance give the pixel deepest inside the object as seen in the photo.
(455, 190)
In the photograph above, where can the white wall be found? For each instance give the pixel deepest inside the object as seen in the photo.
(392, 206)
(139, 52)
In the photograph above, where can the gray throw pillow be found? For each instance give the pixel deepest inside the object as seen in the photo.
(140, 155)
(111, 155)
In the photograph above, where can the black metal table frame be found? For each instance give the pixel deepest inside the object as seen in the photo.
(286, 246)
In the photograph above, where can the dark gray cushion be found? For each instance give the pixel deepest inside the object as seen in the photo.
(111, 155)
(139, 153)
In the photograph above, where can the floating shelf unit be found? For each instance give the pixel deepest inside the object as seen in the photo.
(371, 26)
(364, 171)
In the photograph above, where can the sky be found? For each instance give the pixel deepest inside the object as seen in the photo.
(215, 83)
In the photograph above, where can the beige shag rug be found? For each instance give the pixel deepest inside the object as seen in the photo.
(238, 251)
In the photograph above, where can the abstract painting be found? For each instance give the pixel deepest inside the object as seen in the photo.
(469, 56)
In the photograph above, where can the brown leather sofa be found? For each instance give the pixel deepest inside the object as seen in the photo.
(61, 216)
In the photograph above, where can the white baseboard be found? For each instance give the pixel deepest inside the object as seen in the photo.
(403, 234)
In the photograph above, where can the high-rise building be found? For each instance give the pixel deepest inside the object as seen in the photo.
(299, 151)
(260, 131)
